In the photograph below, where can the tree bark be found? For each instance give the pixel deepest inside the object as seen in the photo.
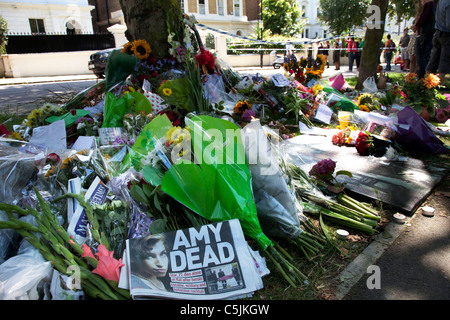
(371, 50)
(150, 19)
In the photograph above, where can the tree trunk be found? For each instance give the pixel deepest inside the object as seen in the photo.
(150, 19)
(371, 50)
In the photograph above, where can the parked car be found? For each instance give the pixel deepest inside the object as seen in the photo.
(97, 62)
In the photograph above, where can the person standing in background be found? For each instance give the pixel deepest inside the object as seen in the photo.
(403, 44)
(350, 52)
(440, 54)
(337, 55)
(325, 51)
(389, 48)
(424, 27)
(357, 52)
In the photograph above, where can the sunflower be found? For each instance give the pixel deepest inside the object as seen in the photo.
(431, 81)
(141, 49)
(363, 107)
(241, 106)
(365, 98)
(127, 48)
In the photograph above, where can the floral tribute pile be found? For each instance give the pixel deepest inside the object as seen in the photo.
(137, 135)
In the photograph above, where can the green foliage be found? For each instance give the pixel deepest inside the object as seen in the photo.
(3, 36)
(402, 9)
(342, 16)
(282, 17)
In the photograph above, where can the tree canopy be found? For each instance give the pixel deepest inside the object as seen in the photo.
(3, 32)
(342, 16)
(282, 17)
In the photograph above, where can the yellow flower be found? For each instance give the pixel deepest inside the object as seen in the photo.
(365, 98)
(127, 48)
(431, 81)
(177, 135)
(167, 91)
(363, 107)
(241, 106)
(317, 89)
(141, 49)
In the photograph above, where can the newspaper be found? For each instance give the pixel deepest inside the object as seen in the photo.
(199, 263)
(78, 226)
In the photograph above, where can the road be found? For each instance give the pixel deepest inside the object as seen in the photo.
(23, 98)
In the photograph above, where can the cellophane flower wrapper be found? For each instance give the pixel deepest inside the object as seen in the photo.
(218, 188)
(112, 157)
(139, 222)
(274, 200)
(145, 142)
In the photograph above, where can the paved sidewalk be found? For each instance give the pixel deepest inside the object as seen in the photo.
(27, 80)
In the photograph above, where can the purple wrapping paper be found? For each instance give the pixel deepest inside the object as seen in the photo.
(415, 135)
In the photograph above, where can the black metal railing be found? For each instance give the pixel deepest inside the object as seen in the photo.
(39, 43)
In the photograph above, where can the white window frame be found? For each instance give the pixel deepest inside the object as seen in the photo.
(205, 6)
(237, 4)
(224, 7)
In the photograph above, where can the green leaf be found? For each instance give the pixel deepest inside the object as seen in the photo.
(138, 194)
(344, 172)
(158, 226)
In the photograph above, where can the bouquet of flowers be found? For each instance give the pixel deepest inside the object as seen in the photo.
(421, 95)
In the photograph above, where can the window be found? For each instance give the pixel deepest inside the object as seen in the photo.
(220, 8)
(303, 11)
(201, 7)
(37, 26)
(237, 8)
(306, 33)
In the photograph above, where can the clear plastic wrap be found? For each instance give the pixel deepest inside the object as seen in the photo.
(21, 275)
(275, 203)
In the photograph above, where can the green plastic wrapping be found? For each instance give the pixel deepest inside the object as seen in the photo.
(344, 103)
(219, 187)
(114, 111)
(69, 118)
(120, 65)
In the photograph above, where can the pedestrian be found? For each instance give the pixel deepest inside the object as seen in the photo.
(357, 52)
(337, 55)
(403, 44)
(440, 54)
(326, 49)
(289, 49)
(389, 49)
(350, 52)
(424, 27)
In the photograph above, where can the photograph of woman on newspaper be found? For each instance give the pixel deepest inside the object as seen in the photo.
(150, 263)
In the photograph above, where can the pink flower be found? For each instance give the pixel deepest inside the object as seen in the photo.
(103, 252)
(87, 252)
(108, 267)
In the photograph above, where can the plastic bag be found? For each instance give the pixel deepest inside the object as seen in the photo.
(21, 275)
(370, 85)
(274, 202)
